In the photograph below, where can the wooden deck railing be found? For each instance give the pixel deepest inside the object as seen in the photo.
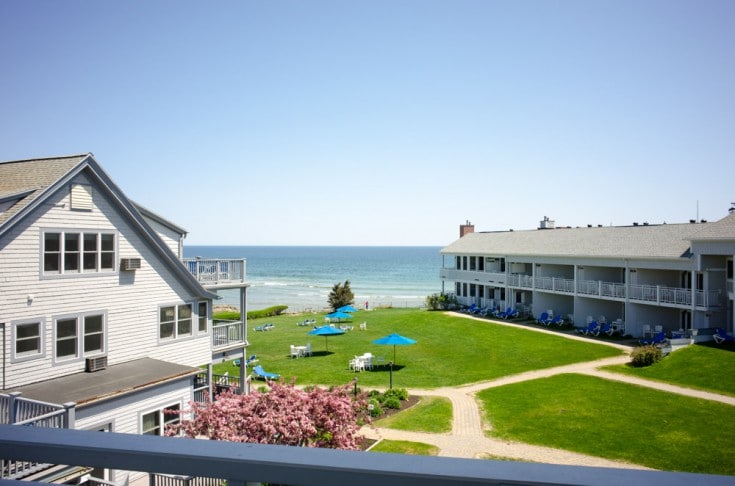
(215, 270)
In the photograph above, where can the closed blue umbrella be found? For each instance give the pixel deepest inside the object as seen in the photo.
(346, 308)
(326, 331)
(395, 340)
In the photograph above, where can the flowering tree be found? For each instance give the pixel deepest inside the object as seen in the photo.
(283, 415)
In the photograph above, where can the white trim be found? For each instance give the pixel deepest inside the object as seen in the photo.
(80, 354)
(15, 357)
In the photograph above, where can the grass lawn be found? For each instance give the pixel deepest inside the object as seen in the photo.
(704, 366)
(405, 447)
(450, 350)
(431, 414)
(616, 421)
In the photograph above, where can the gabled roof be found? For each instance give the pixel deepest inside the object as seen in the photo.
(25, 184)
(723, 229)
(667, 241)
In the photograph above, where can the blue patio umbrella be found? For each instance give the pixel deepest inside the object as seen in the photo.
(347, 308)
(395, 340)
(339, 315)
(326, 331)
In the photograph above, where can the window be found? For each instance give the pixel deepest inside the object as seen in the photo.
(66, 338)
(79, 336)
(78, 252)
(175, 321)
(28, 339)
(155, 423)
(202, 313)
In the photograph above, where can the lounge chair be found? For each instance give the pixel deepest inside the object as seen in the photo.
(607, 328)
(558, 320)
(658, 338)
(509, 313)
(592, 329)
(260, 373)
(544, 319)
(720, 336)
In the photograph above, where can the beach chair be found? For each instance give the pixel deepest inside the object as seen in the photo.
(260, 373)
(720, 336)
(558, 320)
(607, 328)
(544, 319)
(658, 338)
(592, 329)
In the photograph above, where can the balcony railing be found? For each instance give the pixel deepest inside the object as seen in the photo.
(213, 271)
(227, 333)
(239, 463)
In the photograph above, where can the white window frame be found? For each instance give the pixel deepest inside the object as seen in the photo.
(160, 427)
(79, 336)
(176, 322)
(205, 317)
(28, 355)
(80, 254)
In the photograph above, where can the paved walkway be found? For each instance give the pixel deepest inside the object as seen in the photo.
(467, 438)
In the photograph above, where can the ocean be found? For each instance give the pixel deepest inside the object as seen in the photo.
(301, 277)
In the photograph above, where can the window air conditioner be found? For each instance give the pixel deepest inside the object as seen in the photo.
(128, 264)
(97, 363)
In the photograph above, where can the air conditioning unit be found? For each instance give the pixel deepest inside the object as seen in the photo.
(96, 363)
(128, 264)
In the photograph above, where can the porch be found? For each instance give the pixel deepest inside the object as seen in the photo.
(216, 272)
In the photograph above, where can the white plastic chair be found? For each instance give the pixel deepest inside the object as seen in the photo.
(308, 349)
(294, 352)
(646, 330)
(363, 326)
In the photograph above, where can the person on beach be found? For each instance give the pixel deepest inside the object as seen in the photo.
(366, 305)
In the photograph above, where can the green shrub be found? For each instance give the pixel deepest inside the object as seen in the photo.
(645, 356)
(441, 301)
(377, 410)
(275, 310)
(392, 402)
(399, 393)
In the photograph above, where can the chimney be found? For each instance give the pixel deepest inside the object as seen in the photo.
(466, 228)
(546, 223)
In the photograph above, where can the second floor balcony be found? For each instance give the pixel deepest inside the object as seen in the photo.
(217, 272)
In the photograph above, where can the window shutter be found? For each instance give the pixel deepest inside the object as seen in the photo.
(81, 197)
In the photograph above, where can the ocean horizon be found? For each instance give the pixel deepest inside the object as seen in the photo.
(301, 277)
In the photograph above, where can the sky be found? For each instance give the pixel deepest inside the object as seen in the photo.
(381, 122)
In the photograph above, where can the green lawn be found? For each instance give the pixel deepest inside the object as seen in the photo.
(705, 366)
(405, 447)
(431, 414)
(450, 350)
(616, 421)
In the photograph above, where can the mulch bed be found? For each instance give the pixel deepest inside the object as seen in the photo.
(364, 443)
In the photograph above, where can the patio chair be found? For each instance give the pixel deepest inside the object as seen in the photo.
(259, 328)
(658, 338)
(308, 349)
(592, 328)
(363, 326)
(558, 320)
(720, 336)
(607, 328)
(251, 360)
(260, 373)
(294, 352)
(544, 319)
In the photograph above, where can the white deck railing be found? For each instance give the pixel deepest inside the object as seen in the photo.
(227, 333)
(239, 463)
(216, 270)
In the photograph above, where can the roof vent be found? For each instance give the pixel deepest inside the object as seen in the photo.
(129, 264)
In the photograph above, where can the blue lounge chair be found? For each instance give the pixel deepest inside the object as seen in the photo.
(544, 319)
(558, 320)
(260, 373)
(592, 329)
(659, 338)
(720, 336)
(509, 313)
(607, 328)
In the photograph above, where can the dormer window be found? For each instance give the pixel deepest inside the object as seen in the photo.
(70, 252)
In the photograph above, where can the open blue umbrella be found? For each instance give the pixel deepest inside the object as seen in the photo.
(395, 340)
(326, 331)
(347, 308)
(339, 315)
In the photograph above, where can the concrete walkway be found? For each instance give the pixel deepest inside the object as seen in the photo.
(467, 438)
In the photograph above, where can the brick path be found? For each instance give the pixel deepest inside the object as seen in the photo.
(467, 438)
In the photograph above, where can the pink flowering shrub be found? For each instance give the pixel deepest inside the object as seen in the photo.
(284, 415)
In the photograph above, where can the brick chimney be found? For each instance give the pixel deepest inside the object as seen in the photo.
(466, 228)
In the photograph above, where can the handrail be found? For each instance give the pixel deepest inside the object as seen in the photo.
(213, 270)
(239, 463)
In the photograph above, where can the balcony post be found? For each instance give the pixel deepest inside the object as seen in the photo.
(12, 407)
(658, 294)
(242, 271)
(69, 414)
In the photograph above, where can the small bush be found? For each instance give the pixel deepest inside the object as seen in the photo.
(377, 410)
(441, 301)
(275, 310)
(392, 402)
(645, 356)
(399, 393)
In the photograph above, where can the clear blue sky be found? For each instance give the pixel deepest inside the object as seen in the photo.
(381, 122)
